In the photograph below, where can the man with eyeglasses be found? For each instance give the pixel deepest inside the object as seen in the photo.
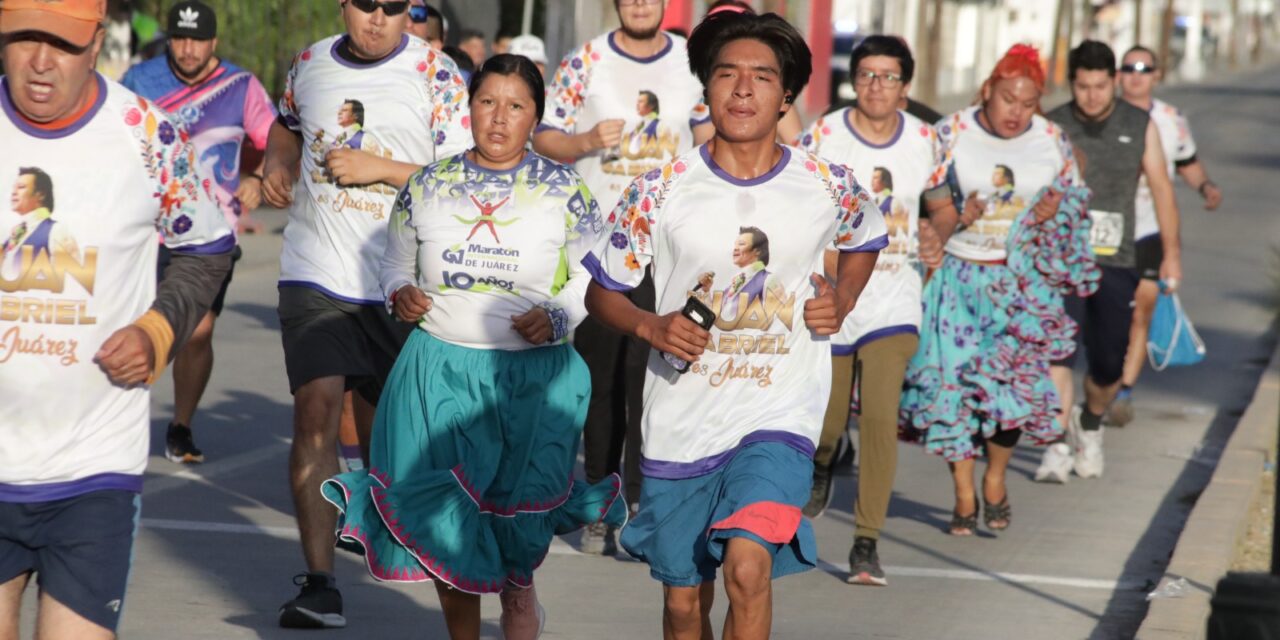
(411, 109)
(1139, 75)
(426, 23)
(219, 105)
(591, 104)
(901, 158)
(1121, 144)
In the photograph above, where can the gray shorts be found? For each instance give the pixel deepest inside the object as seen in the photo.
(324, 336)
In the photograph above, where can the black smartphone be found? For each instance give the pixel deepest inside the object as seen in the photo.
(701, 315)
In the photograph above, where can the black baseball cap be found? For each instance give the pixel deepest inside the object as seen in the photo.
(192, 19)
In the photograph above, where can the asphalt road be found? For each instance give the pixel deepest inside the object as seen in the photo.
(217, 547)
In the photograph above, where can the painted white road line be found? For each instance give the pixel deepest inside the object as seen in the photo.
(560, 547)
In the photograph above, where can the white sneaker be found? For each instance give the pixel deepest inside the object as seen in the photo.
(1089, 461)
(1056, 464)
(1072, 433)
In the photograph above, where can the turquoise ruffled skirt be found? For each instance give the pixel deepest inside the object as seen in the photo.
(989, 333)
(471, 467)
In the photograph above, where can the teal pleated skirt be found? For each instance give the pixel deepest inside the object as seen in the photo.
(471, 467)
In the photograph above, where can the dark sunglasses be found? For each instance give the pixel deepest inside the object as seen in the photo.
(392, 8)
(418, 13)
(1137, 67)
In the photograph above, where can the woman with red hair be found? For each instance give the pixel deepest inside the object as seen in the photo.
(993, 316)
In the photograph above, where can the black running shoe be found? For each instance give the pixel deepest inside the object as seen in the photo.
(179, 446)
(819, 493)
(864, 564)
(318, 605)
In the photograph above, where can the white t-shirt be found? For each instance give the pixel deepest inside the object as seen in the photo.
(487, 245)
(1179, 146)
(747, 248)
(1005, 172)
(411, 107)
(898, 172)
(598, 81)
(117, 174)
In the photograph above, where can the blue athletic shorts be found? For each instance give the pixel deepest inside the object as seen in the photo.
(683, 525)
(80, 549)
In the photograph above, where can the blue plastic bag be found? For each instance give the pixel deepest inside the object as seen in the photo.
(1172, 341)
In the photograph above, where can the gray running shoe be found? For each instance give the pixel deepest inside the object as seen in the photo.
(864, 564)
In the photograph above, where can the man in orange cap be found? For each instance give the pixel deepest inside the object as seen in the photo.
(86, 316)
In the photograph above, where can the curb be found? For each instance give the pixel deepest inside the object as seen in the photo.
(1220, 517)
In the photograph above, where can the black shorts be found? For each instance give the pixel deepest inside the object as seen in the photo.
(1103, 321)
(1148, 254)
(80, 549)
(324, 336)
(163, 263)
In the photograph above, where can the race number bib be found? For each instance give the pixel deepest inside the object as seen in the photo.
(1107, 232)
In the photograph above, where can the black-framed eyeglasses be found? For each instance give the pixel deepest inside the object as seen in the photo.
(389, 7)
(864, 78)
(1138, 67)
(418, 13)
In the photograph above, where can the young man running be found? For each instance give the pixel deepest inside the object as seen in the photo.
(1120, 144)
(85, 327)
(620, 105)
(218, 104)
(901, 157)
(1139, 75)
(361, 112)
(740, 226)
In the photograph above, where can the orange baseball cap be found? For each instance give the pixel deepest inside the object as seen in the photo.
(72, 20)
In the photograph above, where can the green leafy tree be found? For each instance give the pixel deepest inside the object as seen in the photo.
(263, 35)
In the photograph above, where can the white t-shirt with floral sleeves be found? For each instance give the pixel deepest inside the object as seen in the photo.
(1006, 173)
(746, 248)
(79, 263)
(410, 107)
(897, 172)
(658, 98)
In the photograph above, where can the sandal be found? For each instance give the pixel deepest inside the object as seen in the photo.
(966, 524)
(998, 512)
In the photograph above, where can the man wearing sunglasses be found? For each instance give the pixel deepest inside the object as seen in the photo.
(591, 104)
(1139, 75)
(411, 108)
(1120, 144)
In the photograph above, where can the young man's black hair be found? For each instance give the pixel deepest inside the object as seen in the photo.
(1091, 55)
(795, 62)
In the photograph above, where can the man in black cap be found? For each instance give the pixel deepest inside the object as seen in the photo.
(219, 105)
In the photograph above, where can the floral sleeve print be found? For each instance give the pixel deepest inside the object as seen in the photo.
(450, 115)
(189, 218)
(567, 90)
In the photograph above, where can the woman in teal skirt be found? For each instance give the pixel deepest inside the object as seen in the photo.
(993, 317)
(476, 435)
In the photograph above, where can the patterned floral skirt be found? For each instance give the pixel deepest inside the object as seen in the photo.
(989, 333)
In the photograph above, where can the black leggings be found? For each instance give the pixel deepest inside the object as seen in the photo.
(1007, 439)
